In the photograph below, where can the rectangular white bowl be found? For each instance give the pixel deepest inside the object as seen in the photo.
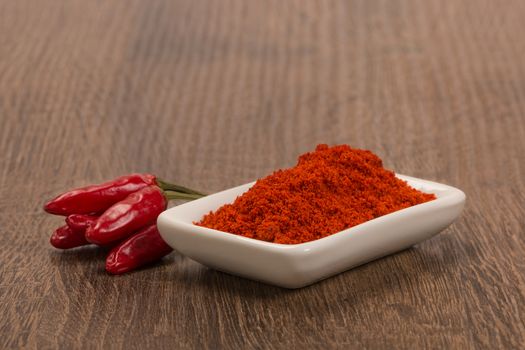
(298, 265)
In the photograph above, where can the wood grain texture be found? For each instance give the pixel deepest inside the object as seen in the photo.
(214, 94)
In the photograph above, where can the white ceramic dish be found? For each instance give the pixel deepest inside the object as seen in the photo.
(298, 265)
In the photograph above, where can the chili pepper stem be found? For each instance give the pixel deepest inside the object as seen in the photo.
(166, 186)
(179, 195)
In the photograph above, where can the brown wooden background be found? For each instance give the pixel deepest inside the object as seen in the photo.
(214, 94)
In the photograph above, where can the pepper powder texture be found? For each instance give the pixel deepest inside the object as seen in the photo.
(329, 190)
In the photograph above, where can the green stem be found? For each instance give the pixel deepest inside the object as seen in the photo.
(179, 195)
(166, 186)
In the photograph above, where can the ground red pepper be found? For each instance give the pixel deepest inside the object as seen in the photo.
(329, 190)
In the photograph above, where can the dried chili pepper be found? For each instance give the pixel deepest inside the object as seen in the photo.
(126, 205)
(72, 234)
(142, 248)
(97, 198)
(136, 211)
(65, 238)
(80, 222)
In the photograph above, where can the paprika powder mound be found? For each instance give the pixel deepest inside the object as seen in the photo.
(329, 190)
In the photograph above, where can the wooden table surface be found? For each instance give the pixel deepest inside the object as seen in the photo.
(214, 94)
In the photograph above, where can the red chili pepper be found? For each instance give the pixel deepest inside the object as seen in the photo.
(144, 247)
(73, 234)
(79, 222)
(97, 198)
(65, 238)
(136, 211)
